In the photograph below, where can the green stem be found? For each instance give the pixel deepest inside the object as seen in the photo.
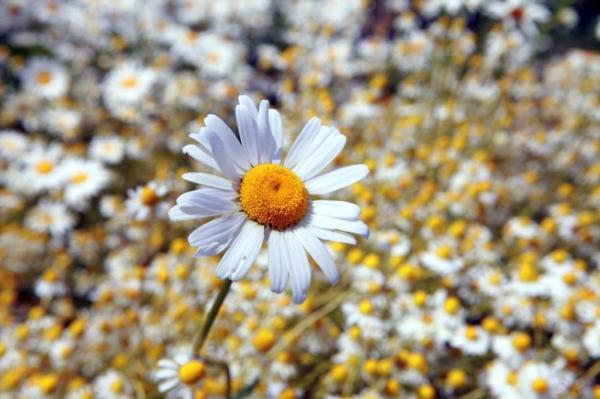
(200, 338)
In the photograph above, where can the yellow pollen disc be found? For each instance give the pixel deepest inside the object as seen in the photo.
(79, 177)
(45, 167)
(43, 78)
(274, 196)
(540, 385)
(191, 372)
(129, 82)
(117, 385)
(149, 196)
(471, 333)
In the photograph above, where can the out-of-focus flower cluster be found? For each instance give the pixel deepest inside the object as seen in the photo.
(481, 273)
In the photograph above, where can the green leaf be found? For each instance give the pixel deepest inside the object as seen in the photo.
(247, 390)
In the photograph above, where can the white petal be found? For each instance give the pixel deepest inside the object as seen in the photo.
(319, 252)
(303, 141)
(176, 214)
(336, 209)
(249, 104)
(350, 226)
(336, 179)
(266, 142)
(277, 132)
(223, 158)
(320, 157)
(206, 202)
(209, 180)
(216, 232)
(242, 252)
(248, 133)
(330, 235)
(298, 266)
(278, 274)
(165, 373)
(168, 385)
(200, 155)
(168, 363)
(230, 141)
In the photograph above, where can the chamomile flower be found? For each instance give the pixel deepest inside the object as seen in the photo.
(262, 198)
(148, 200)
(46, 78)
(83, 180)
(177, 377)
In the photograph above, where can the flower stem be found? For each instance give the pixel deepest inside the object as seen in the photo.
(200, 338)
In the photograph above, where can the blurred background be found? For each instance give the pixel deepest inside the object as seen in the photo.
(478, 119)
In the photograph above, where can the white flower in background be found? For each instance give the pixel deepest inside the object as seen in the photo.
(127, 85)
(146, 200)
(51, 217)
(114, 385)
(41, 171)
(263, 199)
(177, 377)
(543, 381)
(519, 14)
(471, 340)
(44, 77)
(12, 144)
(107, 149)
(83, 180)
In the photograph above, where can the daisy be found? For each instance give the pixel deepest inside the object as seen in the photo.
(84, 179)
(144, 200)
(108, 149)
(52, 217)
(177, 377)
(127, 85)
(262, 198)
(41, 170)
(45, 78)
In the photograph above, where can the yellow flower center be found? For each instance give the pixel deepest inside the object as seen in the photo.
(43, 78)
(471, 333)
(48, 383)
(274, 196)
(521, 341)
(117, 385)
(365, 307)
(540, 385)
(264, 340)
(79, 177)
(191, 372)
(149, 196)
(129, 82)
(45, 167)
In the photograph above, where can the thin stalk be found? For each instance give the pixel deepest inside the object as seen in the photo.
(200, 338)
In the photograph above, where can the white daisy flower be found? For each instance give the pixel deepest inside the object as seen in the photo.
(540, 380)
(43, 77)
(145, 200)
(51, 217)
(262, 198)
(108, 149)
(178, 377)
(41, 170)
(112, 384)
(127, 85)
(12, 144)
(84, 179)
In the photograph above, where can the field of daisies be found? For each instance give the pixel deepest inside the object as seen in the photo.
(295, 199)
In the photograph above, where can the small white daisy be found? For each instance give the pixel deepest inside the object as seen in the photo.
(178, 377)
(262, 198)
(146, 200)
(43, 77)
